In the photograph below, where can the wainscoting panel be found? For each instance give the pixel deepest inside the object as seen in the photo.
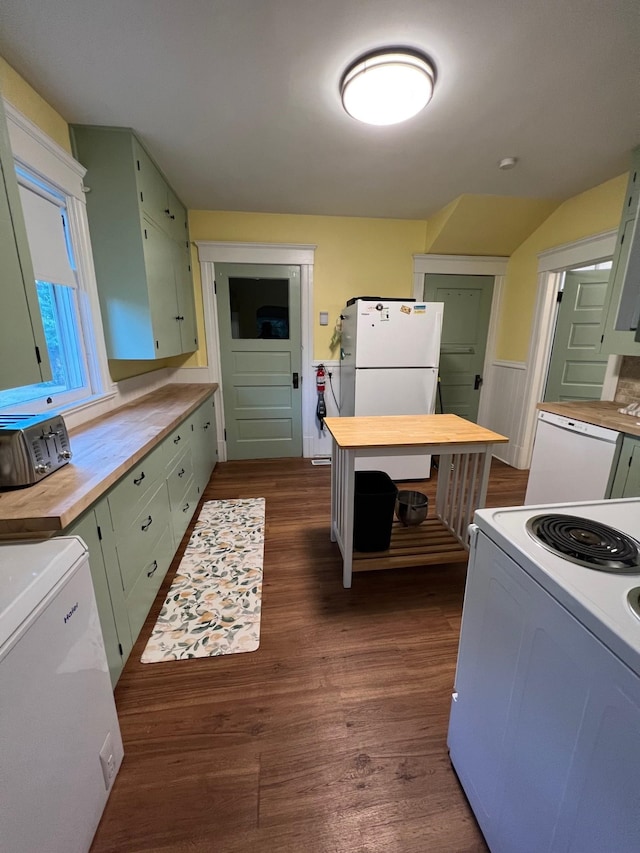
(504, 410)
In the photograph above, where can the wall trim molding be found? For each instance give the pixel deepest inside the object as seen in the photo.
(210, 252)
(552, 264)
(588, 250)
(513, 365)
(32, 148)
(460, 264)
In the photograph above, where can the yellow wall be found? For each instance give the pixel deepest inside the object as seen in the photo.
(485, 224)
(592, 212)
(22, 96)
(19, 93)
(354, 257)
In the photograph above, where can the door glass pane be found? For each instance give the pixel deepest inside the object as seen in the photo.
(259, 308)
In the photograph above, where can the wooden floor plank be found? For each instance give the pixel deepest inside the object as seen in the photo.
(331, 737)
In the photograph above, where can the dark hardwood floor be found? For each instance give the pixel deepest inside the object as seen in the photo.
(331, 738)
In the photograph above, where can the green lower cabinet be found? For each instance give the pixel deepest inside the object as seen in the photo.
(626, 483)
(204, 443)
(133, 532)
(94, 528)
(150, 577)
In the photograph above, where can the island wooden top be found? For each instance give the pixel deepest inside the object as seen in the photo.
(599, 412)
(408, 431)
(103, 451)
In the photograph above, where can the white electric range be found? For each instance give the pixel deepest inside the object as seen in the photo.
(544, 731)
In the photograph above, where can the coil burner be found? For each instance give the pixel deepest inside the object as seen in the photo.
(586, 542)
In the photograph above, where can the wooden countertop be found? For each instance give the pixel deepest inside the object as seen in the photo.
(408, 431)
(103, 451)
(599, 412)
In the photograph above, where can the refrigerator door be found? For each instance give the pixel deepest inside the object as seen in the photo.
(396, 391)
(396, 334)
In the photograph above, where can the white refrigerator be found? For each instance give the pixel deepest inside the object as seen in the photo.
(390, 356)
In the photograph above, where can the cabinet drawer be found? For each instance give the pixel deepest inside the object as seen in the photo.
(179, 477)
(176, 442)
(135, 545)
(131, 493)
(152, 573)
(182, 512)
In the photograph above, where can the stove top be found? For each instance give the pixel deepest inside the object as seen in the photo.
(610, 531)
(586, 542)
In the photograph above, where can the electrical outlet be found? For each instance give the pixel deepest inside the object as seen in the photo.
(108, 761)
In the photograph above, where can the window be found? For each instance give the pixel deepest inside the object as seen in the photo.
(55, 220)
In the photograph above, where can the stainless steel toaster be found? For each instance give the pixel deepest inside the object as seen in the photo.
(31, 447)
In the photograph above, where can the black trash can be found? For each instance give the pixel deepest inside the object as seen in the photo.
(374, 502)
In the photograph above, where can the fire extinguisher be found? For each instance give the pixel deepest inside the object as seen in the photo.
(321, 408)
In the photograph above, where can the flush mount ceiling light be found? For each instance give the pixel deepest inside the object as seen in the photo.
(387, 86)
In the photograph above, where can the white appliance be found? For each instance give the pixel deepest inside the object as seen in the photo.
(60, 744)
(544, 732)
(572, 460)
(391, 351)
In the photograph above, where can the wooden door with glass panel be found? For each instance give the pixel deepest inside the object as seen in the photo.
(259, 326)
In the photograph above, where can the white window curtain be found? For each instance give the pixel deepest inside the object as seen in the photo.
(47, 241)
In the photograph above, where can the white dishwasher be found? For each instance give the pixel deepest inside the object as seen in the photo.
(60, 744)
(572, 460)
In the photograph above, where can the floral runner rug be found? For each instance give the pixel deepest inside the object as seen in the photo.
(214, 604)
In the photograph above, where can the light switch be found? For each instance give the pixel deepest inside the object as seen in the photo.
(324, 318)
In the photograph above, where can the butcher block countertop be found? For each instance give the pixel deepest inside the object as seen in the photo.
(600, 413)
(103, 451)
(408, 430)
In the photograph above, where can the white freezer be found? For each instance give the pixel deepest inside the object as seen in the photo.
(57, 711)
(379, 333)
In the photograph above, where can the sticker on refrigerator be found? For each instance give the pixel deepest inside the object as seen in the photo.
(419, 309)
(406, 309)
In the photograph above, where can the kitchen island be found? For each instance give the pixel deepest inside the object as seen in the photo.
(465, 451)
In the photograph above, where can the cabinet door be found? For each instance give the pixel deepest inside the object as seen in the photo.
(152, 188)
(23, 353)
(618, 330)
(204, 444)
(626, 483)
(185, 298)
(159, 264)
(117, 642)
(176, 218)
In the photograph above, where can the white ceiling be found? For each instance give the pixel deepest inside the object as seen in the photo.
(237, 100)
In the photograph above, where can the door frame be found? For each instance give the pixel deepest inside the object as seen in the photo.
(552, 264)
(469, 265)
(290, 254)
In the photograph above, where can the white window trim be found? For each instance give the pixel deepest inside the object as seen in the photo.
(38, 153)
(212, 252)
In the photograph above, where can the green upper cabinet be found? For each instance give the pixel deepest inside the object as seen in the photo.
(140, 243)
(626, 481)
(620, 325)
(23, 349)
